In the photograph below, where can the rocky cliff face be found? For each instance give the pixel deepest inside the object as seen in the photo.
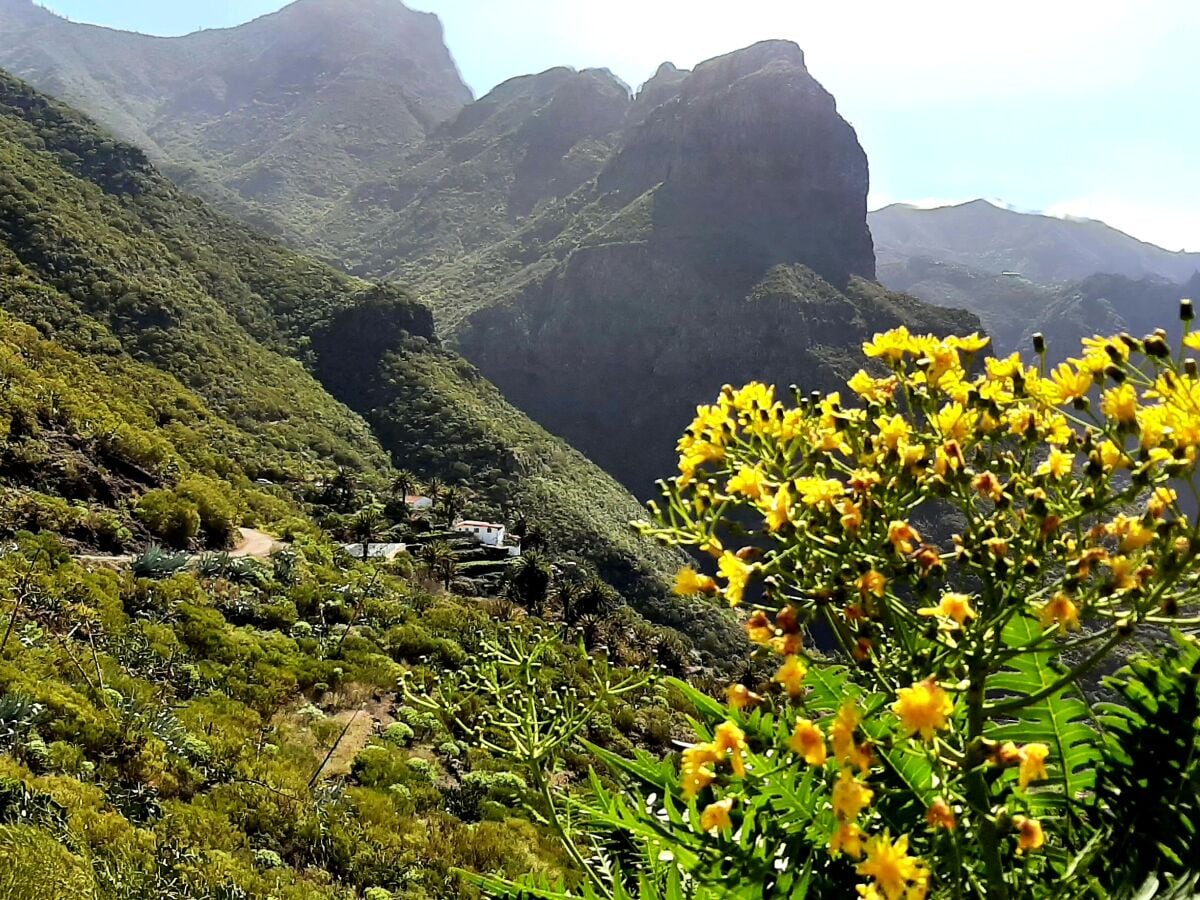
(279, 117)
(724, 240)
(756, 169)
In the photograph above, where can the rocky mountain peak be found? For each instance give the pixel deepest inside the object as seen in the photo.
(753, 167)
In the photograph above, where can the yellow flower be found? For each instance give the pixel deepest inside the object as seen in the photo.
(1131, 532)
(1029, 834)
(875, 390)
(1111, 456)
(688, 581)
(779, 510)
(759, 628)
(808, 741)
(791, 675)
(889, 345)
(1192, 340)
(852, 515)
(940, 815)
(970, 343)
(749, 482)
(897, 875)
(893, 431)
(862, 480)
(753, 397)
(1060, 611)
(1033, 764)
(715, 816)
(1057, 465)
(696, 769)
(815, 491)
(1120, 404)
(989, 485)
(902, 535)
(739, 696)
(1096, 345)
(731, 740)
(737, 573)
(923, 709)
(850, 796)
(1125, 572)
(871, 582)
(1159, 501)
(846, 750)
(951, 606)
(1069, 382)
(847, 839)
(954, 422)
(948, 458)
(1002, 369)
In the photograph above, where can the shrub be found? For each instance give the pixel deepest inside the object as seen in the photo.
(217, 506)
(168, 516)
(399, 734)
(975, 543)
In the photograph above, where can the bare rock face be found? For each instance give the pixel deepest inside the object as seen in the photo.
(724, 240)
(756, 169)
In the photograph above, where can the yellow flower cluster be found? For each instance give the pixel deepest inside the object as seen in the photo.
(1062, 484)
(696, 769)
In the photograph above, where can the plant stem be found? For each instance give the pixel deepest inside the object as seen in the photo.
(977, 787)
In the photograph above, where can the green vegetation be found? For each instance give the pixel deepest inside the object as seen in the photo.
(199, 734)
(113, 264)
(952, 738)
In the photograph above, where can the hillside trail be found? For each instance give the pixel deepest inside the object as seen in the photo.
(251, 542)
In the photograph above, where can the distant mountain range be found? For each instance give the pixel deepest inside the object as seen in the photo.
(1044, 249)
(1023, 273)
(608, 260)
(255, 362)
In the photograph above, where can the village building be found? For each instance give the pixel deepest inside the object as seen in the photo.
(489, 534)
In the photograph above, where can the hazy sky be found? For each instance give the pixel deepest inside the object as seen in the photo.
(1084, 107)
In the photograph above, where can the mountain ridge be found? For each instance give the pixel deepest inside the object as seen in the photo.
(273, 119)
(1044, 248)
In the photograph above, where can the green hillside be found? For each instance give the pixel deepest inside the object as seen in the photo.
(106, 257)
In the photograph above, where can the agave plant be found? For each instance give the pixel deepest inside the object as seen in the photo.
(157, 563)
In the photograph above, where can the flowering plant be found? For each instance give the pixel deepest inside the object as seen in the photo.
(941, 563)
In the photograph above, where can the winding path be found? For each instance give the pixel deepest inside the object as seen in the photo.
(251, 542)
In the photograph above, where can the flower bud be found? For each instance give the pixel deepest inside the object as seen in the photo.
(1186, 311)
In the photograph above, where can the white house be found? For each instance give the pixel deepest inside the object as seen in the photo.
(416, 501)
(487, 533)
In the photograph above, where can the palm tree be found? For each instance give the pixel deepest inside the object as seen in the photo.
(452, 501)
(343, 488)
(404, 484)
(365, 526)
(595, 598)
(533, 537)
(530, 582)
(439, 561)
(434, 487)
(566, 592)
